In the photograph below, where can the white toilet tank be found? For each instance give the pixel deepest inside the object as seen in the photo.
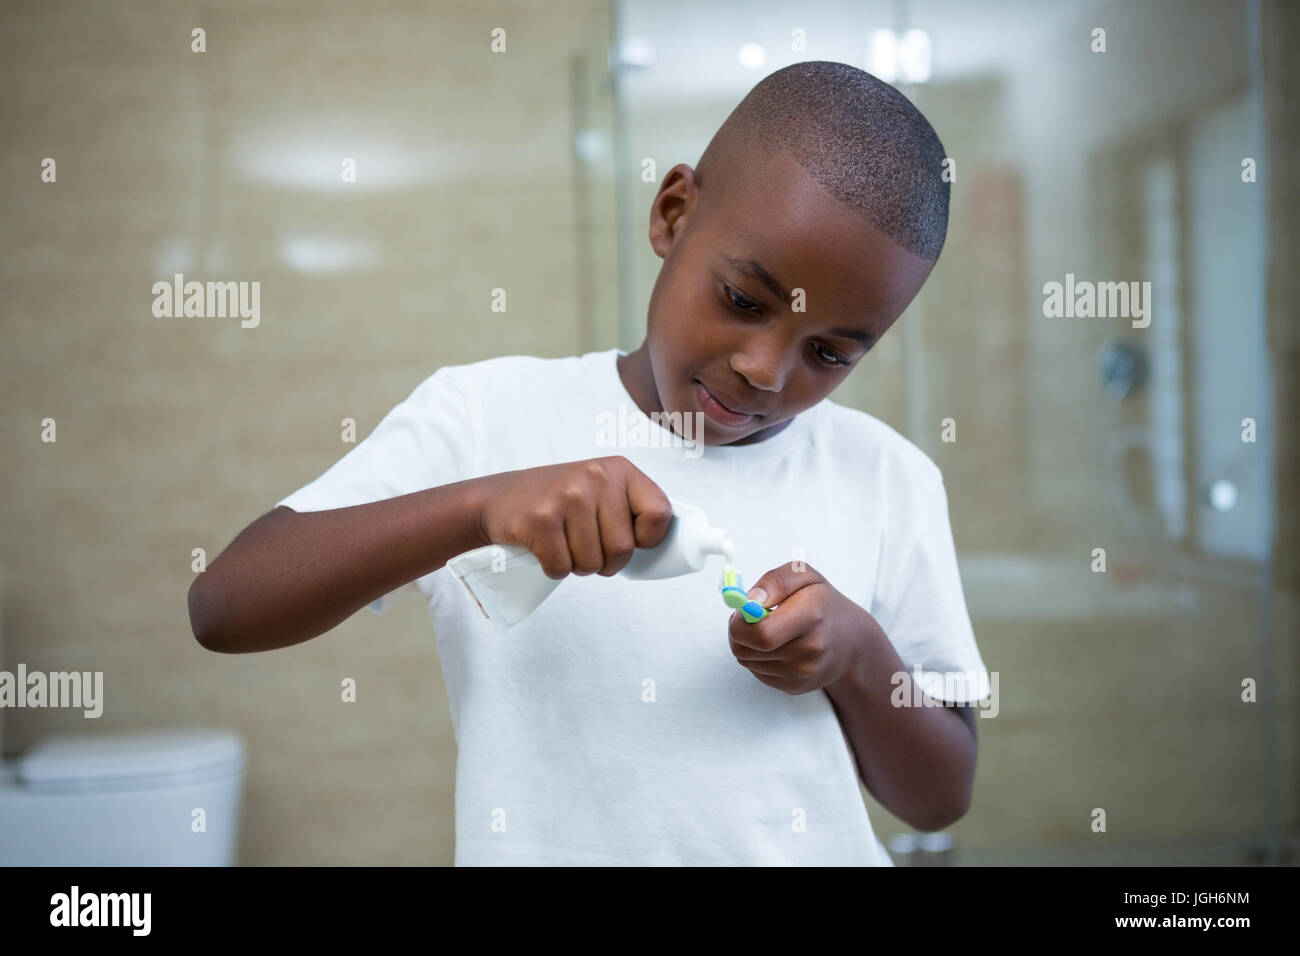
(128, 798)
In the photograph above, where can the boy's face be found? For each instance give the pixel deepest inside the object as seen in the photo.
(714, 321)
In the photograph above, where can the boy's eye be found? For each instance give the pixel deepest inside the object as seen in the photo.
(738, 300)
(828, 356)
(834, 357)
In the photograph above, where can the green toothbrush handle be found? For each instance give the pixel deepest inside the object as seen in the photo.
(733, 595)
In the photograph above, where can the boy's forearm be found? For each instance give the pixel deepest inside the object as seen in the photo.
(290, 576)
(919, 762)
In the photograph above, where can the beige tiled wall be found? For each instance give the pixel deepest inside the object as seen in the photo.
(174, 434)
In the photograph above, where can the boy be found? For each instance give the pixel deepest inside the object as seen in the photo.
(627, 722)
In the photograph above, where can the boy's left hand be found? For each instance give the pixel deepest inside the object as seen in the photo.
(812, 640)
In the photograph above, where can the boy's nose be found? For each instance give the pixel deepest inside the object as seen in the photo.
(761, 376)
(762, 363)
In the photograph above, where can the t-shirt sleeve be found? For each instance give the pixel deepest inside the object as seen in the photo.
(425, 441)
(920, 605)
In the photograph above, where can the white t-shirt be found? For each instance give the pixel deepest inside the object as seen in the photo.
(613, 725)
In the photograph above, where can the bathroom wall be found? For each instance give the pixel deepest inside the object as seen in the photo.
(173, 434)
(1123, 690)
(1139, 708)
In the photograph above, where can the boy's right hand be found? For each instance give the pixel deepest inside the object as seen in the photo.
(577, 517)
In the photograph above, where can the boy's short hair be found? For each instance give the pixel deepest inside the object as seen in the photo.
(857, 136)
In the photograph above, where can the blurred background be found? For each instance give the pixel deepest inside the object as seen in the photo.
(522, 170)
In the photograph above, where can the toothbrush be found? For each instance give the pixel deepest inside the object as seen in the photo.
(733, 595)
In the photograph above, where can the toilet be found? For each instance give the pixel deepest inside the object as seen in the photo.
(127, 798)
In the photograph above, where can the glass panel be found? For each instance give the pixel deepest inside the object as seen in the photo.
(594, 142)
(1111, 482)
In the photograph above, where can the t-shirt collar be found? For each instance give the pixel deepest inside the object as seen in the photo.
(793, 436)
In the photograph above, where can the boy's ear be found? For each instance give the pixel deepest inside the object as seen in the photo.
(674, 200)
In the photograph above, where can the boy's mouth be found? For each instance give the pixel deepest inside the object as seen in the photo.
(720, 413)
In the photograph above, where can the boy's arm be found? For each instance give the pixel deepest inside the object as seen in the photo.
(290, 575)
(918, 762)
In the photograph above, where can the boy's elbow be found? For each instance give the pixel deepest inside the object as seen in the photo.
(933, 822)
(948, 808)
(946, 814)
(942, 821)
(202, 622)
(956, 808)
